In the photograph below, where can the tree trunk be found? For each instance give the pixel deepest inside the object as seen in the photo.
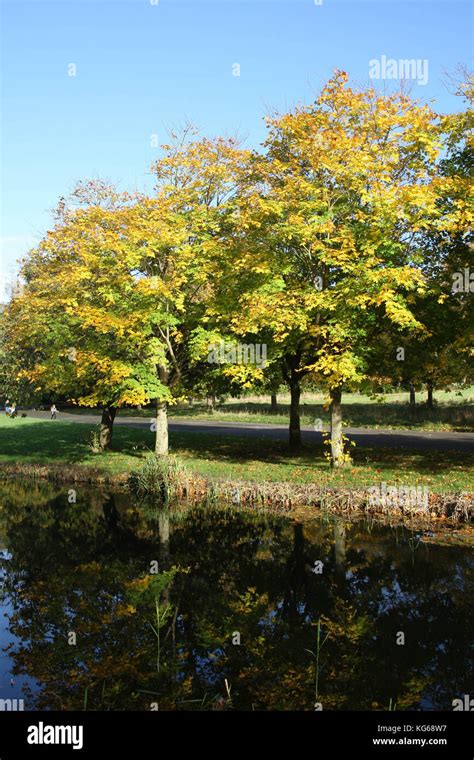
(295, 426)
(340, 544)
(211, 402)
(164, 534)
(412, 394)
(337, 444)
(106, 427)
(296, 577)
(274, 402)
(429, 398)
(161, 440)
(111, 513)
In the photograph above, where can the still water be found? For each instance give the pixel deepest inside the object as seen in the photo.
(107, 604)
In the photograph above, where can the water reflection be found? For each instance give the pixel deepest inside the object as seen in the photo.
(90, 624)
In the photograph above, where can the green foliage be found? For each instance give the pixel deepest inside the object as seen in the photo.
(146, 589)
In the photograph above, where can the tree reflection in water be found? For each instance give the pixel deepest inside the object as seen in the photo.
(168, 639)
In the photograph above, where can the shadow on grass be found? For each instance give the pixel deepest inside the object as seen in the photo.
(64, 441)
(56, 441)
(237, 449)
(233, 450)
(427, 461)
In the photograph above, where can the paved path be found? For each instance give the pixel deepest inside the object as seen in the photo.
(405, 439)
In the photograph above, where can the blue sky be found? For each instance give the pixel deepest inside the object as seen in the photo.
(142, 68)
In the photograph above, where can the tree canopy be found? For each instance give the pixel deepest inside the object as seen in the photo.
(333, 246)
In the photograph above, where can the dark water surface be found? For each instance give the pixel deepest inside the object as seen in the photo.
(81, 572)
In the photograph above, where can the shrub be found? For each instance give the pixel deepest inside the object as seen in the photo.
(162, 476)
(93, 440)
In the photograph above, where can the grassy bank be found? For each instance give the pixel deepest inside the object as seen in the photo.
(58, 445)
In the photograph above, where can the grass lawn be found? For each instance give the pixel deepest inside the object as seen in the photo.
(464, 396)
(45, 442)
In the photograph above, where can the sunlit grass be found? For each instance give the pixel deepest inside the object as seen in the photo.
(44, 442)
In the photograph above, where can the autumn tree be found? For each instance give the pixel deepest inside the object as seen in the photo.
(116, 290)
(331, 250)
(75, 328)
(446, 357)
(440, 355)
(196, 181)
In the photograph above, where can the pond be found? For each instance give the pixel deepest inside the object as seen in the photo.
(109, 604)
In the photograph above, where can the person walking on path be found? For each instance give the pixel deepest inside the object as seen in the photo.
(53, 412)
(10, 409)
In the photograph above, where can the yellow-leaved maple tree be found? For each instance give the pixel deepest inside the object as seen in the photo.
(329, 245)
(115, 291)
